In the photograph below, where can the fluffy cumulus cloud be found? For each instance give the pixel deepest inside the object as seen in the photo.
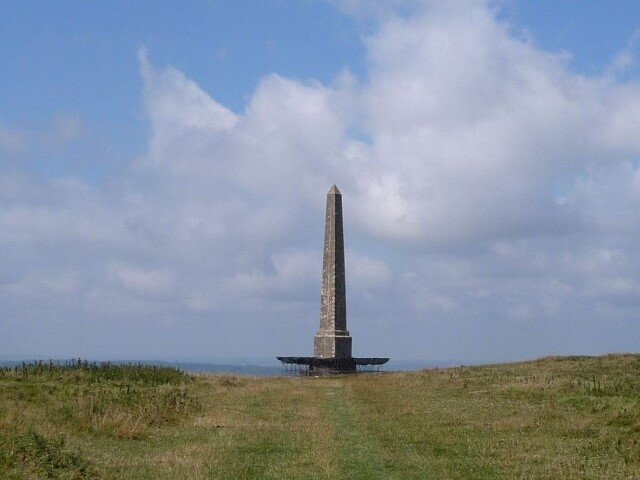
(490, 195)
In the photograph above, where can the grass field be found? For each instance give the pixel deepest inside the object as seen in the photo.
(554, 418)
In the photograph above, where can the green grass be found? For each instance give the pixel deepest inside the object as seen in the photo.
(553, 418)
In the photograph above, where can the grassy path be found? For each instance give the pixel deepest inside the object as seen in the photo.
(273, 429)
(360, 455)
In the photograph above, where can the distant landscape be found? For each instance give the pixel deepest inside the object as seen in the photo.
(259, 367)
(553, 418)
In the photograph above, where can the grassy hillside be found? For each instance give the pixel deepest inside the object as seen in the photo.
(554, 418)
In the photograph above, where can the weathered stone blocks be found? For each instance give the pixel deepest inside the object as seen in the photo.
(332, 339)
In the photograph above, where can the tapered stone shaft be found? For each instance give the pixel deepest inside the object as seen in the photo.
(332, 339)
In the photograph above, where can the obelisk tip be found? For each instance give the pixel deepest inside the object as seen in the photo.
(334, 190)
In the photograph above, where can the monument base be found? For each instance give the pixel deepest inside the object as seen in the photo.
(327, 366)
(332, 346)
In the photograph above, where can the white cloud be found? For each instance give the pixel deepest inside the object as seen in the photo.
(142, 280)
(63, 129)
(55, 134)
(488, 189)
(11, 140)
(367, 272)
(472, 127)
(625, 59)
(39, 285)
(180, 112)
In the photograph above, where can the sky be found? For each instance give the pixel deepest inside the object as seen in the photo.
(163, 174)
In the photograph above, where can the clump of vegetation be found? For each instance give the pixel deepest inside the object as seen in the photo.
(121, 411)
(76, 370)
(48, 409)
(30, 453)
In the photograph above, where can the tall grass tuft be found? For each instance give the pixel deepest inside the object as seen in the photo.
(78, 397)
(78, 369)
(30, 452)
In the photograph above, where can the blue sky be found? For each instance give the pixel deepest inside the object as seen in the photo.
(163, 171)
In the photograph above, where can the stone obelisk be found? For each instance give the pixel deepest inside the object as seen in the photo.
(332, 343)
(332, 339)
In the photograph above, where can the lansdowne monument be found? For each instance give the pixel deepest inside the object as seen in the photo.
(332, 342)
